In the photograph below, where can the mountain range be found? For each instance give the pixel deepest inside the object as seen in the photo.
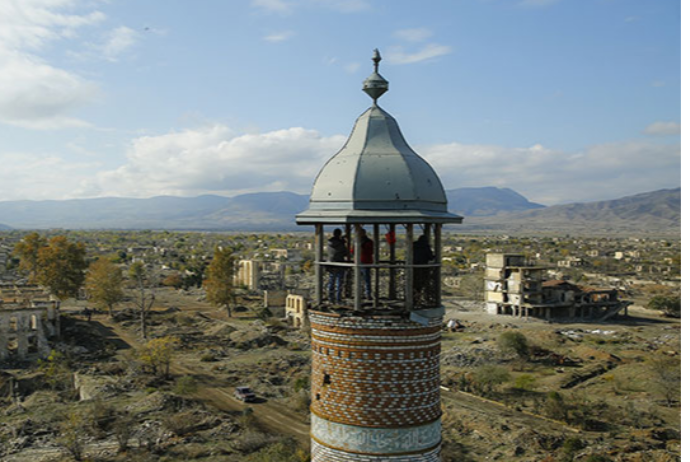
(651, 212)
(487, 208)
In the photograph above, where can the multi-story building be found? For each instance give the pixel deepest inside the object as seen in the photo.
(514, 286)
(28, 320)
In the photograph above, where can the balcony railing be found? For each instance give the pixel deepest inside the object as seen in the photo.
(383, 285)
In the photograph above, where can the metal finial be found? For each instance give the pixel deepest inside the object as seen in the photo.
(375, 85)
(377, 59)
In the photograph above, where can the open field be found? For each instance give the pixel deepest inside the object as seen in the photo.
(587, 389)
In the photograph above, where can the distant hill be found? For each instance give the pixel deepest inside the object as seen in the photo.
(108, 212)
(484, 208)
(5, 227)
(652, 212)
(487, 201)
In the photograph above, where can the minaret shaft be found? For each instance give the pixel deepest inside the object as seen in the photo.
(375, 388)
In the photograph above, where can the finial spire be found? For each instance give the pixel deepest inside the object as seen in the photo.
(375, 85)
(377, 59)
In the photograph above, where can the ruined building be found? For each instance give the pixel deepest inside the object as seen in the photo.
(247, 274)
(516, 287)
(28, 319)
(377, 316)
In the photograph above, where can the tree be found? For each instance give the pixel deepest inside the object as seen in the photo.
(157, 354)
(174, 280)
(104, 284)
(73, 433)
(219, 283)
(555, 406)
(27, 251)
(676, 263)
(665, 374)
(669, 305)
(143, 294)
(56, 370)
(514, 342)
(488, 377)
(60, 267)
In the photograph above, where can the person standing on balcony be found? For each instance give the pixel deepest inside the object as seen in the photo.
(421, 255)
(336, 253)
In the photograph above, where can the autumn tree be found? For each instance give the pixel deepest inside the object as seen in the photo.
(60, 267)
(219, 283)
(174, 280)
(27, 252)
(104, 283)
(157, 354)
(143, 293)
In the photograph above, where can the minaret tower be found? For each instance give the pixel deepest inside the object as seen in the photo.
(377, 318)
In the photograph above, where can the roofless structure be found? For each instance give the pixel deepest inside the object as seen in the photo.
(375, 369)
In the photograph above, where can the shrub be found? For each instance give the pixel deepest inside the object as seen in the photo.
(555, 406)
(669, 305)
(285, 450)
(514, 342)
(185, 385)
(487, 378)
(180, 424)
(525, 382)
(597, 458)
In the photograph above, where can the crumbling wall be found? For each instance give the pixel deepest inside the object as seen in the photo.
(23, 333)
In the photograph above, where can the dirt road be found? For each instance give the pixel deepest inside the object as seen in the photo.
(276, 418)
(273, 417)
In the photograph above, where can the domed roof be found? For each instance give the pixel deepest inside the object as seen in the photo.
(377, 177)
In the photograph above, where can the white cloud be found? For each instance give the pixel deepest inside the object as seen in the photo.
(273, 6)
(285, 7)
(553, 176)
(279, 36)
(214, 160)
(662, 128)
(118, 41)
(30, 24)
(33, 93)
(399, 55)
(413, 35)
(658, 84)
(39, 176)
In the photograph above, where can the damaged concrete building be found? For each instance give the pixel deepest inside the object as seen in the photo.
(28, 320)
(516, 287)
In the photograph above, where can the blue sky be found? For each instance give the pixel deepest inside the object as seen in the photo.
(561, 100)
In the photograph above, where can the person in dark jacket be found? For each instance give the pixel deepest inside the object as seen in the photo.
(421, 255)
(421, 251)
(336, 252)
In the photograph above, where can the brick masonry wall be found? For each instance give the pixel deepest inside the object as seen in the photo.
(378, 372)
(321, 453)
